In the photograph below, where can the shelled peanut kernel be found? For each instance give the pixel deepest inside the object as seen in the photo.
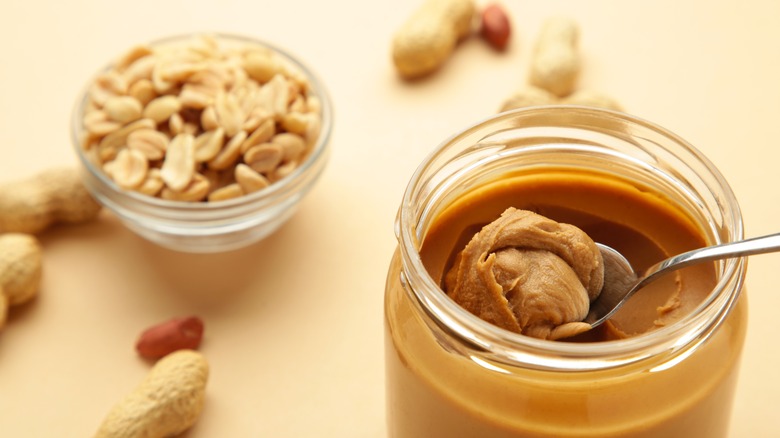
(176, 120)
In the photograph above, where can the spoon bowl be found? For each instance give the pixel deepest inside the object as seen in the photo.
(621, 281)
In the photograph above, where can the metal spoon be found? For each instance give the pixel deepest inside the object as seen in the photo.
(621, 281)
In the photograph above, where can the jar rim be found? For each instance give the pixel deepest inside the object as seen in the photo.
(502, 346)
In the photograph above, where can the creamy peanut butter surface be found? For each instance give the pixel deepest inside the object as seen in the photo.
(528, 274)
(484, 249)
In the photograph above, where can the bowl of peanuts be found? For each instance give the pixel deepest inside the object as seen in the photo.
(203, 143)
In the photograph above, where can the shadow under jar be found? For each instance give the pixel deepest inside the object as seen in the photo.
(666, 365)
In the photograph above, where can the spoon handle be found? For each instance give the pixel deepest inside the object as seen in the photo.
(756, 245)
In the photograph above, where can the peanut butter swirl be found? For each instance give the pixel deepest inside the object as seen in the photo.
(528, 274)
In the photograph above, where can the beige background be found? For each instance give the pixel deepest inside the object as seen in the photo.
(294, 323)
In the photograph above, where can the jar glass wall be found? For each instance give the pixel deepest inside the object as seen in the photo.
(451, 374)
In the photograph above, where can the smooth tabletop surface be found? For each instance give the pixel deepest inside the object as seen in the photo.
(294, 334)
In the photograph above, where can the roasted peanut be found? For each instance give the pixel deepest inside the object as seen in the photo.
(430, 35)
(261, 66)
(554, 70)
(142, 91)
(264, 157)
(153, 183)
(123, 109)
(166, 337)
(555, 65)
(128, 169)
(54, 196)
(264, 131)
(230, 191)
(110, 145)
(20, 270)
(166, 403)
(292, 145)
(230, 153)
(179, 165)
(229, 96)
(249, 180)
(197, 190)
(149, 142)
(162, 108)
(208, 145)
(495, 27)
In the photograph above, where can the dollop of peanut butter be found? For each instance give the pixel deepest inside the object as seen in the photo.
(528, 274)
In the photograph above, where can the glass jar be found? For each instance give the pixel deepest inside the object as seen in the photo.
(450, 374)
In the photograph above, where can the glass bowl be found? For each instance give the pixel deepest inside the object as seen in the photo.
(213, 226)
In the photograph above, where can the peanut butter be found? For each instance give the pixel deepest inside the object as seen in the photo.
(640, 225)
(528, 274)
(439, 388)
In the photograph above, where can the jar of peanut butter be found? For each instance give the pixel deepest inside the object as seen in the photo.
(665, 365)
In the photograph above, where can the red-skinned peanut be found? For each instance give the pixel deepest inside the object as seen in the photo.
(175, 334)
(495, 26)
